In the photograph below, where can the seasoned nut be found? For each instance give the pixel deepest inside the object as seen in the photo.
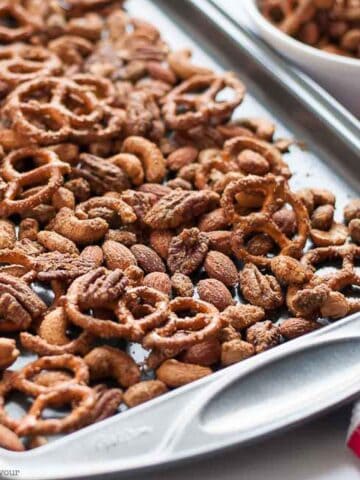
(182, 285)
(181, 157)
(63, 198)
(9, 440)
(323, 197)
(8, 352)
(220, 240)
(289, 271)
(337, 235)
(143, 392)
(28, 228)
(260, 290)
(285, 219)
(179, 207)
(242, 316)
(215, 220)
(253, 163)
(235, 351)
(228, 333)
(322, 217)
(187, 251)
(219, 266)
(109, 362)
(175, 374)
(354, 230)
(107, 403)
(307, 302)
(93, 254)
(205, 353)
(263, 335)
(147, 258)
(295, 327)
(52, 241)
(7, 234)
(215, 292)
(352, 210)
(335, 306)
(160, 241)
(260, 244)
(117, 255)
(158, 280)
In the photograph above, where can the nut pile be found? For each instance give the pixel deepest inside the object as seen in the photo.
(151, 216)
(331, 25)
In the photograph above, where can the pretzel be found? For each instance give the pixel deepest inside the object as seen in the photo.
(292, 14)
(185, 332)
(143, 307)
(20, 63)
(346, 275)
(201, 107)
(276, 164)
(273, 192)
(52, 338)
(98, 289)
(25, 22)
(81, 398)
(51, 110)
(50, 174)
(22, 380)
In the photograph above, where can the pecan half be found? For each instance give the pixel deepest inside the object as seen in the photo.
(259, 289)
(180, 206)
(263, 335)
(187, 251)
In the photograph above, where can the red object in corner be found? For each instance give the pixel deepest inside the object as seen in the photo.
(354, 442)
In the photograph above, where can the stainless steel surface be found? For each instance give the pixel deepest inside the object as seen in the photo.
(278, 388)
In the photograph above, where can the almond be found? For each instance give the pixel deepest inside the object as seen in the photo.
(235, 351)
(220, 266)
(160, 241)
(205, 353)
(215, 220)
(181, 157)
(175, 374)
(117, 255)
(9, 440)
(220, 240)
(147, 258)
(215, 292)
(158, 280)
(143, 392)
(295, 327)
(159, 72)
(94, 254)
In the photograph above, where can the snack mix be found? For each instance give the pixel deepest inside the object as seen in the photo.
(136, 214)
(331, 25)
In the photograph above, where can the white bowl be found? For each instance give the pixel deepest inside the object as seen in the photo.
(340, 75)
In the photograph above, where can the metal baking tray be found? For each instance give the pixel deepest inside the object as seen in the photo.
(274, 390)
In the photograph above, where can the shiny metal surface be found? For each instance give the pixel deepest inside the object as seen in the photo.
(271, 391)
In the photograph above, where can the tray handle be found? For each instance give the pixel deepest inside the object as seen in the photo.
(258, 397)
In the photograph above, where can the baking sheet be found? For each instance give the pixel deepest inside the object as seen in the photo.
(331, 155)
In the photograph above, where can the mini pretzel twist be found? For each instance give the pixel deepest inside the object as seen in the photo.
(203, 107)
(180, 333)
(274, 193)
(143, 307)
(20, 63)
(50, 110)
